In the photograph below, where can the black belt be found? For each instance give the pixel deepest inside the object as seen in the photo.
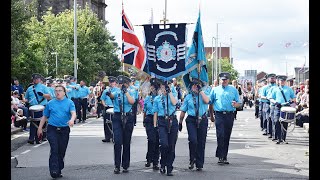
(175, 116)
(126, 114)
(195, 117)
(59, 128)
(225, 112)
(149, 115)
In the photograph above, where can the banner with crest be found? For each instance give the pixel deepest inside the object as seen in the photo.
(165, 50)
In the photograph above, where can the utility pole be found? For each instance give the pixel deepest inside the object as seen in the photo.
(231, 59)
(220, 59)
(75, 39)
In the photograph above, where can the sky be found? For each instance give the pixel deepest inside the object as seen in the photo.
(245, 24)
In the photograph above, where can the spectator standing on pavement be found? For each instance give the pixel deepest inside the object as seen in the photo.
(16, 86)
(225, 100)
(60, 114)
(196, 105)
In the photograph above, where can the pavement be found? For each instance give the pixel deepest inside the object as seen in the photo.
(251, 155)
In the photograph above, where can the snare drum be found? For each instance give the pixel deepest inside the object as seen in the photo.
(287, 114)
(36, 112)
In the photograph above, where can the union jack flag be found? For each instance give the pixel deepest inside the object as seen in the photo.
(132, 51)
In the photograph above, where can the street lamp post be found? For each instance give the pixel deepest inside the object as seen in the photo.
(55, 53)
(217, 43)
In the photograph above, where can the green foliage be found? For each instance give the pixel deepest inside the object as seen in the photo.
(96, 47)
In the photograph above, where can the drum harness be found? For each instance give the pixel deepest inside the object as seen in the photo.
(289, 123)
(35, 93)
(123, 114)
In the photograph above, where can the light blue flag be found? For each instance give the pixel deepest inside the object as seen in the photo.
(197, 55)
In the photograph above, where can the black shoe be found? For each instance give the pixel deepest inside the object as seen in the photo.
(279, 141)
(155, 167)
(199, 169)
(265, 134)
(104, 140)
(274, 139)
(54, 174)
(60, 175)
(169, 173)
(191, 164)
(269, 137)
(220, 161)
(162, 170)
(125, 170)
(30, 142)
(147, 164)
(116, 170)
(225, 161)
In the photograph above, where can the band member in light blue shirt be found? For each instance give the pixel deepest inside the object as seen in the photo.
(225, 100)
(196, 105)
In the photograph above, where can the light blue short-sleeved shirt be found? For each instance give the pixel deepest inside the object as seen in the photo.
(52, 93)
(221, 97)
(148, 105)
(118, 99)
(107, 100)
(58, 112)
(269, 94)
(32, 97)
(160, 103)
(83, 92)
(74, 92)
(278, 97)
(189, 103)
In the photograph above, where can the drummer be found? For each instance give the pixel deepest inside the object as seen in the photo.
(122, 122)
(108, 104)
(36, 94)
(281, 97)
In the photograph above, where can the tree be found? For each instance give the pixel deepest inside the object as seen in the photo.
(228, 67)
(96, 48)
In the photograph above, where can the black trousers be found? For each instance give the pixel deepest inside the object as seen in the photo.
(84, 106)
(76, 104)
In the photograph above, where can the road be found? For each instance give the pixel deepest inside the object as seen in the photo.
(251, 155)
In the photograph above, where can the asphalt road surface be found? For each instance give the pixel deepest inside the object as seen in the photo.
(251, 155)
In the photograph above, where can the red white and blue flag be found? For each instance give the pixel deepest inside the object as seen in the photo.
(132, 51)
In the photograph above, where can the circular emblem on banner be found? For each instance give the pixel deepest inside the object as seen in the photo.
(166, 52)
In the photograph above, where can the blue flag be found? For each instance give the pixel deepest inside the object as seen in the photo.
(166, 50)
(196, 55)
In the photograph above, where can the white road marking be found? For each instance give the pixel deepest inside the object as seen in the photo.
(15, 136)
(40, 144)
(24, 152)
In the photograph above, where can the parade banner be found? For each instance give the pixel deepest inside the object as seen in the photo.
(166, 50)
(132, 51)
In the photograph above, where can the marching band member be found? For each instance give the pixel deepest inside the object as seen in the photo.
(165, 119)
(107, 104)
(281, 96)
(36, 94)
(153, 152)
(196, 105)
(122, 123)
(60, 114)
(225, 100)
